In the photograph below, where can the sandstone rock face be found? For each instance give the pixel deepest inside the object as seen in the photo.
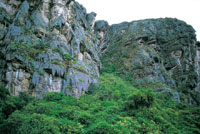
(47, 45)
(162, 52)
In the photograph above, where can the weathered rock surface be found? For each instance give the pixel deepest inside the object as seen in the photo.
(54, 46)
(47, 45)
(159, 52)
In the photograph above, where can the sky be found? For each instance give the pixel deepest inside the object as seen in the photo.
(117, 11)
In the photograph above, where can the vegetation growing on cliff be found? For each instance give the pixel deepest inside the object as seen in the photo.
(114, 107)
(55, 45)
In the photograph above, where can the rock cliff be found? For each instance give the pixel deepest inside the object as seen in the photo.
(55, 46)
(47, 45)
(162, 54)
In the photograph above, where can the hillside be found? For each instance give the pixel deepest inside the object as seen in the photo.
(115, 107)
(62, 72)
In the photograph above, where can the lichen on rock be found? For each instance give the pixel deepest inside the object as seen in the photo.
(56, 46)
(42, 42)
(153, 51)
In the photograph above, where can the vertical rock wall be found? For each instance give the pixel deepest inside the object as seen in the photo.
(47, 45)
(54, 46)
(158, 53)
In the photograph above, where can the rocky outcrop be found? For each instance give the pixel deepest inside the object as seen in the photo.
(54, 46)
(162, 53)
(47, 45)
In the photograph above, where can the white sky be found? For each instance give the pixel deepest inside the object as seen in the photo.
(116, 11)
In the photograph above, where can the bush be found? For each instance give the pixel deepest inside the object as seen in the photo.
(32, 124)
(50, 96)
(140, 98)
(13, 103)
(114, 107)
(3, 93)
(100, 127)
(9, 104)
(113, 87)
(110, 68)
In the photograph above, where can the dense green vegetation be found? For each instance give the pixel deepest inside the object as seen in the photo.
(114, 107)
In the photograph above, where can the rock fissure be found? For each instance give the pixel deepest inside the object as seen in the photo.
(45, 37)
(56, 46)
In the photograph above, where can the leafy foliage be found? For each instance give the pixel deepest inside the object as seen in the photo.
(29, 50)
(114, 107)
(9, 104)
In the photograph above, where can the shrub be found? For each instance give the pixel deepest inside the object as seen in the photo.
(50, 96)
(140, 98)
(32, 124)
(114, 107)
(3, 93)
(101, 127)
(110, 68)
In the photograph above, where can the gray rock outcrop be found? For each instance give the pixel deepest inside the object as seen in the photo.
(47, 46)
(55, 46)
(157, 53)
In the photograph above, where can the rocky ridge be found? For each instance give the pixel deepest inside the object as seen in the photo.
(162, 54)
(55, 46)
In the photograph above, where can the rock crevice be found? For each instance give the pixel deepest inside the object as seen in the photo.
(41, 47)
(56, 46)
(162, 52)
